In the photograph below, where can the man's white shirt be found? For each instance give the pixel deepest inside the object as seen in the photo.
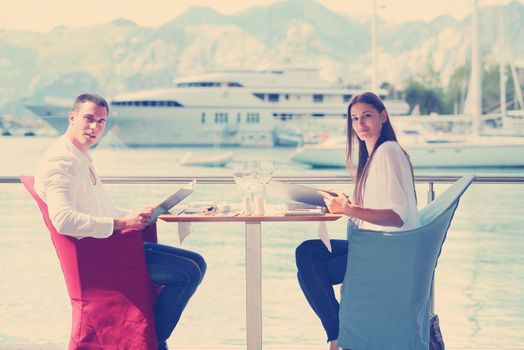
(77, 202)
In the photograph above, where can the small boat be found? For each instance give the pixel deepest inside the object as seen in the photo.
(216, 160)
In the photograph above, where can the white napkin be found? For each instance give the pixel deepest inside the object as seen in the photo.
(184, 229)
(324, 235)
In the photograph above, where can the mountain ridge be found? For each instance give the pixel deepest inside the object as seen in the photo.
(121, 56)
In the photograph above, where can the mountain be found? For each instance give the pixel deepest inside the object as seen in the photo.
(121, 56)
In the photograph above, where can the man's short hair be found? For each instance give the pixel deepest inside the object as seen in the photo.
(96, 99)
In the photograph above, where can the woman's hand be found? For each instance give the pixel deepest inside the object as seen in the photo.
(339, 204)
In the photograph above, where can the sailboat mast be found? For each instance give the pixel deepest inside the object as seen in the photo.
(502, 82)
(502, 66)
(374, 58)
(476, 72)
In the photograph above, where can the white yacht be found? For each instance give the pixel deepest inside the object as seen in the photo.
(229, 108)
(483, 152)
(427, 147)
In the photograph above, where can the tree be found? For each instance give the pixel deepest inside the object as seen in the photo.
(459, 82)
(491, 88)
(430, 100)
(426, 92)
(457, 88)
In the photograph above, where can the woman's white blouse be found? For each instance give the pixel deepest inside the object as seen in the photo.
(389, 185)
(77, 202)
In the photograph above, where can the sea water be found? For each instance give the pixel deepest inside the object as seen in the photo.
(479, 280)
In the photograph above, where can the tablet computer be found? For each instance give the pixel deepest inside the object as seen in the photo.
(297, 193)
(172, 200)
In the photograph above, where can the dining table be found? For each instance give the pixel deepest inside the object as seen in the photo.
(253, 257)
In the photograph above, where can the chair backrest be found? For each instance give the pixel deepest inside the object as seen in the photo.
(448, 198)
(64, 245)
(108, 284)
(29, 184)
(386, 290)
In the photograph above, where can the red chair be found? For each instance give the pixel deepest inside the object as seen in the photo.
(111, 295)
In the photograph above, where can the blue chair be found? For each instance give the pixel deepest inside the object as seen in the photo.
(386, 293)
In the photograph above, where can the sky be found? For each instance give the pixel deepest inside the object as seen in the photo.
(37, 15)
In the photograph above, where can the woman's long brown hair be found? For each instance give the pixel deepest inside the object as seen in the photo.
(354, 144)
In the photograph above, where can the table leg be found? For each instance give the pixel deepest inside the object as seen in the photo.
(253, 286)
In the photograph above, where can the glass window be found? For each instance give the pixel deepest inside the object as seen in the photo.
(260, 96)
(272, 97)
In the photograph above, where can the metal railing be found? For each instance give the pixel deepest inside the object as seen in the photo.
(431, 180)
(334, 179)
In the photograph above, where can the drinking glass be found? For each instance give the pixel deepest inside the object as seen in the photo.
(245, 177)
(253, 181)
(241, 174)
(266, 172)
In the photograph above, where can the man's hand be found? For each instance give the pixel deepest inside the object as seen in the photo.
(134, 221)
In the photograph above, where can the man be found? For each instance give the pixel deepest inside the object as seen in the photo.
(79, 206)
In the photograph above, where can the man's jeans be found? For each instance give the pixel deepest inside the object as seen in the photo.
(180, 272)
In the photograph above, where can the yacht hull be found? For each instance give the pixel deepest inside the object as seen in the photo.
(489, 154)
(57, 116)
(166, 127)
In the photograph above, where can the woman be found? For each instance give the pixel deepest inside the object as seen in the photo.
(384, 199)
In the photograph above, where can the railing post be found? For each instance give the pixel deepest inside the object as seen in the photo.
(431, 198)
(431, 192)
